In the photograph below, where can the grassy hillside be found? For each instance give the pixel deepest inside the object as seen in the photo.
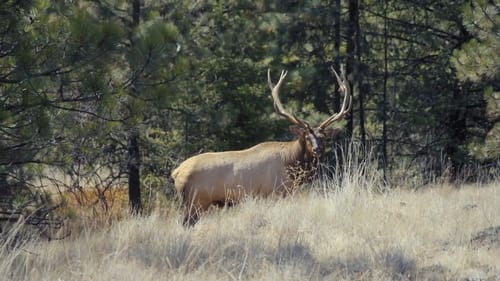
(436, 233)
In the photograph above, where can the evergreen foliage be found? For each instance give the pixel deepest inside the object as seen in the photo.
(84, 85)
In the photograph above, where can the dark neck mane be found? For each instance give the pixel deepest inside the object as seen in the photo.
(301, 167)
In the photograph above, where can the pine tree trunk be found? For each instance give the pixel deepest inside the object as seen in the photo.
(359, 82)
(336, 44)
(339, 161)
(4, 185)
(134, 175)
(457, 126)
(353, 11)
(134, 161)
(384, 100)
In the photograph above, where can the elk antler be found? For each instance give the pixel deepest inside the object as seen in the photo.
(346, 104)
(277, 103)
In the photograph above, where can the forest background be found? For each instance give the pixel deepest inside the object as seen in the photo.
(108, 94)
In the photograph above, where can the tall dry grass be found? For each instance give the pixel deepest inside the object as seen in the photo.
(347, 234)
(346, 227)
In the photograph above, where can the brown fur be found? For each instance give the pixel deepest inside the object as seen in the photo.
(211, 178)
(219, 178)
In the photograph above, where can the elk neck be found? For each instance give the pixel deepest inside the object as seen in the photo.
(301, 166)
(298, 156)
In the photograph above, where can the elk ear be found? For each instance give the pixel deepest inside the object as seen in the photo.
(331, 132)
(297, 130)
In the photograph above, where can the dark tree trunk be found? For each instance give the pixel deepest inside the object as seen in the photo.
(136, 12)
(384, 99)
(134, 161)
(134, 174)
(4, 185)
(359, 82)
(336, 44)
(457, 126)
(353, 11)
(337, 66)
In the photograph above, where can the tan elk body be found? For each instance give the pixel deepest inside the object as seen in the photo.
(218, 178)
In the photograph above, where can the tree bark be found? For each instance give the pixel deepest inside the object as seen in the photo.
(134, 160)
(134, 173)
(336, 44)
(353, 11)
(384, 99)
(457, 126)
(359, 82)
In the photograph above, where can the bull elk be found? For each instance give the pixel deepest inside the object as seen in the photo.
(218, 178)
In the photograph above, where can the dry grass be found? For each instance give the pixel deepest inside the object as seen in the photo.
(349, 234)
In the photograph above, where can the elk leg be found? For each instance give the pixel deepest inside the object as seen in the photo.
(225, 203)
(193, 212)
(190, 219)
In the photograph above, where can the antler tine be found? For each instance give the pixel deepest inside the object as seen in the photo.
(278, 106)
(344, 85)
(278, 85)
(346, 104)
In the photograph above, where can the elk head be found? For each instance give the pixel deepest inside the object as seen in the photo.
(313, 138)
